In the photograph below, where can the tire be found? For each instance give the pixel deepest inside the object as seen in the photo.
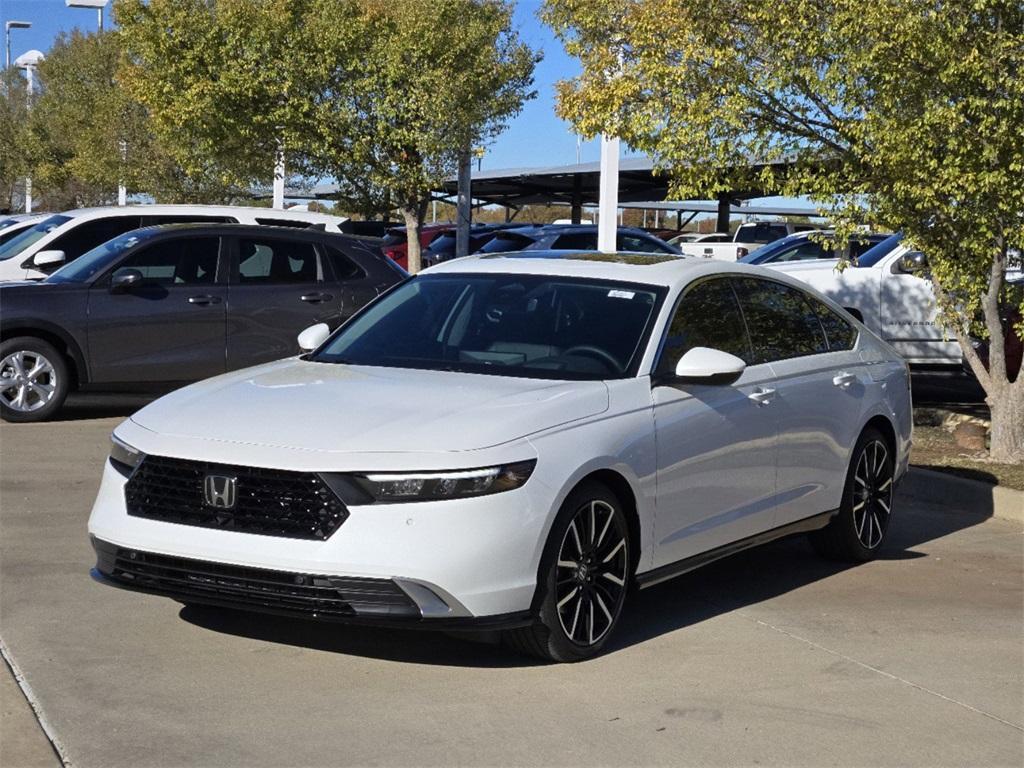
(858, 531)
(33, 379)
(583, 580)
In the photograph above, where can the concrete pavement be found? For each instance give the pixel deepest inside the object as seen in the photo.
(772, 657)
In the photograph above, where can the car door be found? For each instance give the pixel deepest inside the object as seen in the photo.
(277, 289)
(819, 392)
(716, 442)
(910, 315)
(168, 328)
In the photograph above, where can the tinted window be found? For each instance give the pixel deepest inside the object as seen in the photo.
(639, 244)
(507, 242)
(344, 267)
(858, 248)
(443, 244)
(707, 316)
(31, 235)
(10, 233)
(395, 237)
(513, 325)
(801, 252)
(89, 234)
(100, 258)
(876, 253)
(276, 261)
(839, 333)
(576, 241)
(295, 223)
(761, 233)
(182, 261)
(153, 221)
(781, 322)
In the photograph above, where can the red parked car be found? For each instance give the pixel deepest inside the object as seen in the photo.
(396, 242)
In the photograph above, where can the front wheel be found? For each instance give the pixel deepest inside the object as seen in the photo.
(856, 533)
(33, 379)
(584, 577)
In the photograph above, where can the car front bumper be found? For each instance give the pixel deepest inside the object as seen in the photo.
(444, 564)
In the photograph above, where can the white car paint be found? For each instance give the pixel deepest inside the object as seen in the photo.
(898, 306)
(706, 464)
(737, 246)
(20, 265)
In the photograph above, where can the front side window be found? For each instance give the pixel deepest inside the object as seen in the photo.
(781, 321)
(276, 261)
(182, 261)
(532, 326)
(30, 236)
(708, 315)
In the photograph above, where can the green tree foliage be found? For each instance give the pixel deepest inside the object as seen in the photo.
(13, 139)
(378, 95)
(911, 109)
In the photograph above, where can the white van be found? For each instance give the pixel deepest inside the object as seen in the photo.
(58, 239)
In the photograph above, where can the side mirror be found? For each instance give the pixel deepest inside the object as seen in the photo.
(913, 261)
(702, 365)
(313, 337)
(125, 279)
(48, 259)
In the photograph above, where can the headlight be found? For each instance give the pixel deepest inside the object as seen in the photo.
(124, 458)
(391, 487)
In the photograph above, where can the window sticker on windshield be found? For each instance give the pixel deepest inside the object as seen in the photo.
(616, 294)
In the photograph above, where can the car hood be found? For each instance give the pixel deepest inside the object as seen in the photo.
(333, 408)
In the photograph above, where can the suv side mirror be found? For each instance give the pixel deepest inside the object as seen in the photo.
(703, 365)
(48, 260)
(313, 337)
(124, 280)
(913, 261)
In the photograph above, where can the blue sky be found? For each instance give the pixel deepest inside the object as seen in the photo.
(535, 137)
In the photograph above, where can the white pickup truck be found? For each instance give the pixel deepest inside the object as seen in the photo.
(748, 237)
(884, 293)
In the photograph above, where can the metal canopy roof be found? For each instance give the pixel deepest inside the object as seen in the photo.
(697, 206)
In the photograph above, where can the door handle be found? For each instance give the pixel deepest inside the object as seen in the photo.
(316, 298)
(844, 379)
(762, 395)
(204, 300)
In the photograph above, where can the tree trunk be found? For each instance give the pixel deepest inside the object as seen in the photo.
(1006, 441)
(413, 219)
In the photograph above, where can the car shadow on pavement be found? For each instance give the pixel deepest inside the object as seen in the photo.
(730, 584)
(82, 406)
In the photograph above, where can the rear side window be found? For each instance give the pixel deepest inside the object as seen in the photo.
(781, 321)
(276, 261)
(708, 315)
(638, 244)
(576, 241)
(182, 261)
(295, 223)
(839, 332)
(89, 234)
(344, 267)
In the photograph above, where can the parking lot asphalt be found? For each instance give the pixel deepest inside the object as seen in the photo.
(772, 657)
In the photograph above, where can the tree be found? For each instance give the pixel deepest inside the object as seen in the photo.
(911, 109)
(420, 82)
(13, 140)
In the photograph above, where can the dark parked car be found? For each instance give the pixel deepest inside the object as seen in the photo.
(573, 237)
(803, 247)
(166, 305)
(442, 247)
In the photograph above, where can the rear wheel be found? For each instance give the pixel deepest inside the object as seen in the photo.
(856, 533)
(33, 379)
(584, 577)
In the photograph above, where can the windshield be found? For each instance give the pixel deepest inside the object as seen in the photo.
(32, 235)
(505, 242)
(91, 263)
(872, 256)
(532, 326)
(765, 251)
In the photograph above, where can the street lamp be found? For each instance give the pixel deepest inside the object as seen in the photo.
(99, 5)
(8, 26)
(29, 61)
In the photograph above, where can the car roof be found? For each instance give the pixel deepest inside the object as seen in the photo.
(241, 229)
(661, 269)
(208, 210)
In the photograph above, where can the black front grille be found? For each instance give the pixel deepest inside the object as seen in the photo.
(271, 502)
(254, 588)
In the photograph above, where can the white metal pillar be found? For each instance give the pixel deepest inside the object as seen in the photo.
(608, 189)
(279, 180)
(122, 190)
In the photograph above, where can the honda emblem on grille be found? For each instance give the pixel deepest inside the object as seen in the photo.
(220, 491)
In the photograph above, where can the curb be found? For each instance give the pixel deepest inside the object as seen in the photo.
(959, 492)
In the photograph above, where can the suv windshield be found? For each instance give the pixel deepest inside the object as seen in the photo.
(531, 326)
(91, 263)
(33, 234)
(872, 256)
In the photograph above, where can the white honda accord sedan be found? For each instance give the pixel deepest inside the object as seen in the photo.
(512, 442)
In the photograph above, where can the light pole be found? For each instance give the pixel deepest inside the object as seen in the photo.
(29, 61)
(8, 26)
(98, 5)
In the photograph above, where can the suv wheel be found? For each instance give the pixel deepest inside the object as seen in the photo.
(585, 575)
(33, 379)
